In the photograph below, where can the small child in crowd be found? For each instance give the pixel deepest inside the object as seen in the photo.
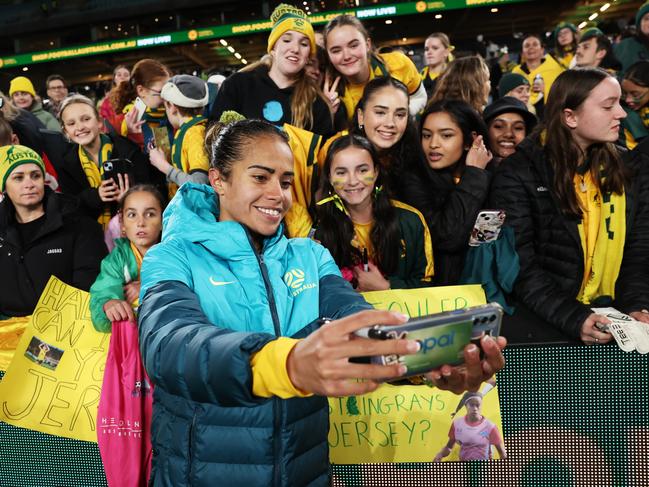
(116, 291)
(184, 98)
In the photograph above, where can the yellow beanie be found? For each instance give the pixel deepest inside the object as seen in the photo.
(12, 156)
(20, 83)
(286, 17)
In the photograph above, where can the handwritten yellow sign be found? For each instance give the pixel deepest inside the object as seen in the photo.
(53, 383)
(404, 423)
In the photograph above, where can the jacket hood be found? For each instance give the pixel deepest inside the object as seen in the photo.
(193, 215)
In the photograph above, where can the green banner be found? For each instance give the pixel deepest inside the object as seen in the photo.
(221, 31)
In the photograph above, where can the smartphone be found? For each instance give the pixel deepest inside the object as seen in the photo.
(141, 107)
(113, 167)
(442, 336)
(487, 227)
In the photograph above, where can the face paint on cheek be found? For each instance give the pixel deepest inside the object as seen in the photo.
(338, 182)
(368, 178)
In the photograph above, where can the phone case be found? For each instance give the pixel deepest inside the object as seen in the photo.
(141, 108)
(443, 336)
(487, 227)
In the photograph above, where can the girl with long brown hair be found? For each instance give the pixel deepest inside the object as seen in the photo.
(354, 63)
(147, 78)
(277, 88)
(580, 213)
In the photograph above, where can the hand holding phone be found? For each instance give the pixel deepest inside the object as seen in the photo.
(141, 107)
(442, 336)
(487, 227)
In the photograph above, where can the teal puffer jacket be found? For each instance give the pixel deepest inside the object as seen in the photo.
(209, 301)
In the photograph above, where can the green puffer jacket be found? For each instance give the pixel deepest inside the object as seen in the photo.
(49, 120)
(118, 268)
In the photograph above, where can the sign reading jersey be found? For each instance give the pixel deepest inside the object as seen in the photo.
(408, 423)
(54, 381)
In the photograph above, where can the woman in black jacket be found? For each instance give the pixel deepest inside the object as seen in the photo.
(449, 183)
(81, 171)
(580, 211)
(40, 235)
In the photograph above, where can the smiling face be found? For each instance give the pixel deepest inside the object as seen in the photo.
(434, 52)
(22, 99)
(352, 175)
(291, 53)
(441, 140)
(506, 131)
(635, 96)
(25, 186)
(142, 220)
(81, 124)
(348, 51)
(257, 192)
(385, 117)
(598, 118)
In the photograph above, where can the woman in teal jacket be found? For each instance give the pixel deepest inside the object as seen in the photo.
(231, 335)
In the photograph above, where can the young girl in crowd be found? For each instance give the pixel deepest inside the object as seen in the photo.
(580, 211)
(466, 79)
(437, 53)
(115, 293)
(378, 243)
(81, 173)
(382, 118)
(635, 48)
(565, 44)
(635, 94)
(450, 183)
(152, 126)
(108, 106)
(354, 63)
(231, 331)
(277, 88)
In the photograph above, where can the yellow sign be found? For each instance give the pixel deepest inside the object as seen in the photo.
(54, 381)
(405, 423)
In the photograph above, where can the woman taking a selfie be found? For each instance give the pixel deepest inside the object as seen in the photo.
(579, 209)
(231, 331)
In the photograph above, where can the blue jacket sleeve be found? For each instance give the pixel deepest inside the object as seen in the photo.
(190, 357)
(183, 352)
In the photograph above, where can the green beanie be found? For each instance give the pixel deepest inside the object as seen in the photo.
(12, 156)
(590, 33)
(641, 13)
(510, 81)
(564, 25)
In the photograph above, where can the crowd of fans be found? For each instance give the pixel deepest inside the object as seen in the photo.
(388, 169)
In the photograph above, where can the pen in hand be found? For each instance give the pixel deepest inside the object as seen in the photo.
(366, 266)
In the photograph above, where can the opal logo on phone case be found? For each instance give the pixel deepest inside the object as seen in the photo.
(441, 341)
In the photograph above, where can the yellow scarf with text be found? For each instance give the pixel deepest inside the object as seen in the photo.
(602, 232)
(94, 170)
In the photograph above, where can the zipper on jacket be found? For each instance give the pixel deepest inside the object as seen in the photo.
(278, 405)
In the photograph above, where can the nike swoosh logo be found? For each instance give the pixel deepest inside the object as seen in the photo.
(219, 283)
